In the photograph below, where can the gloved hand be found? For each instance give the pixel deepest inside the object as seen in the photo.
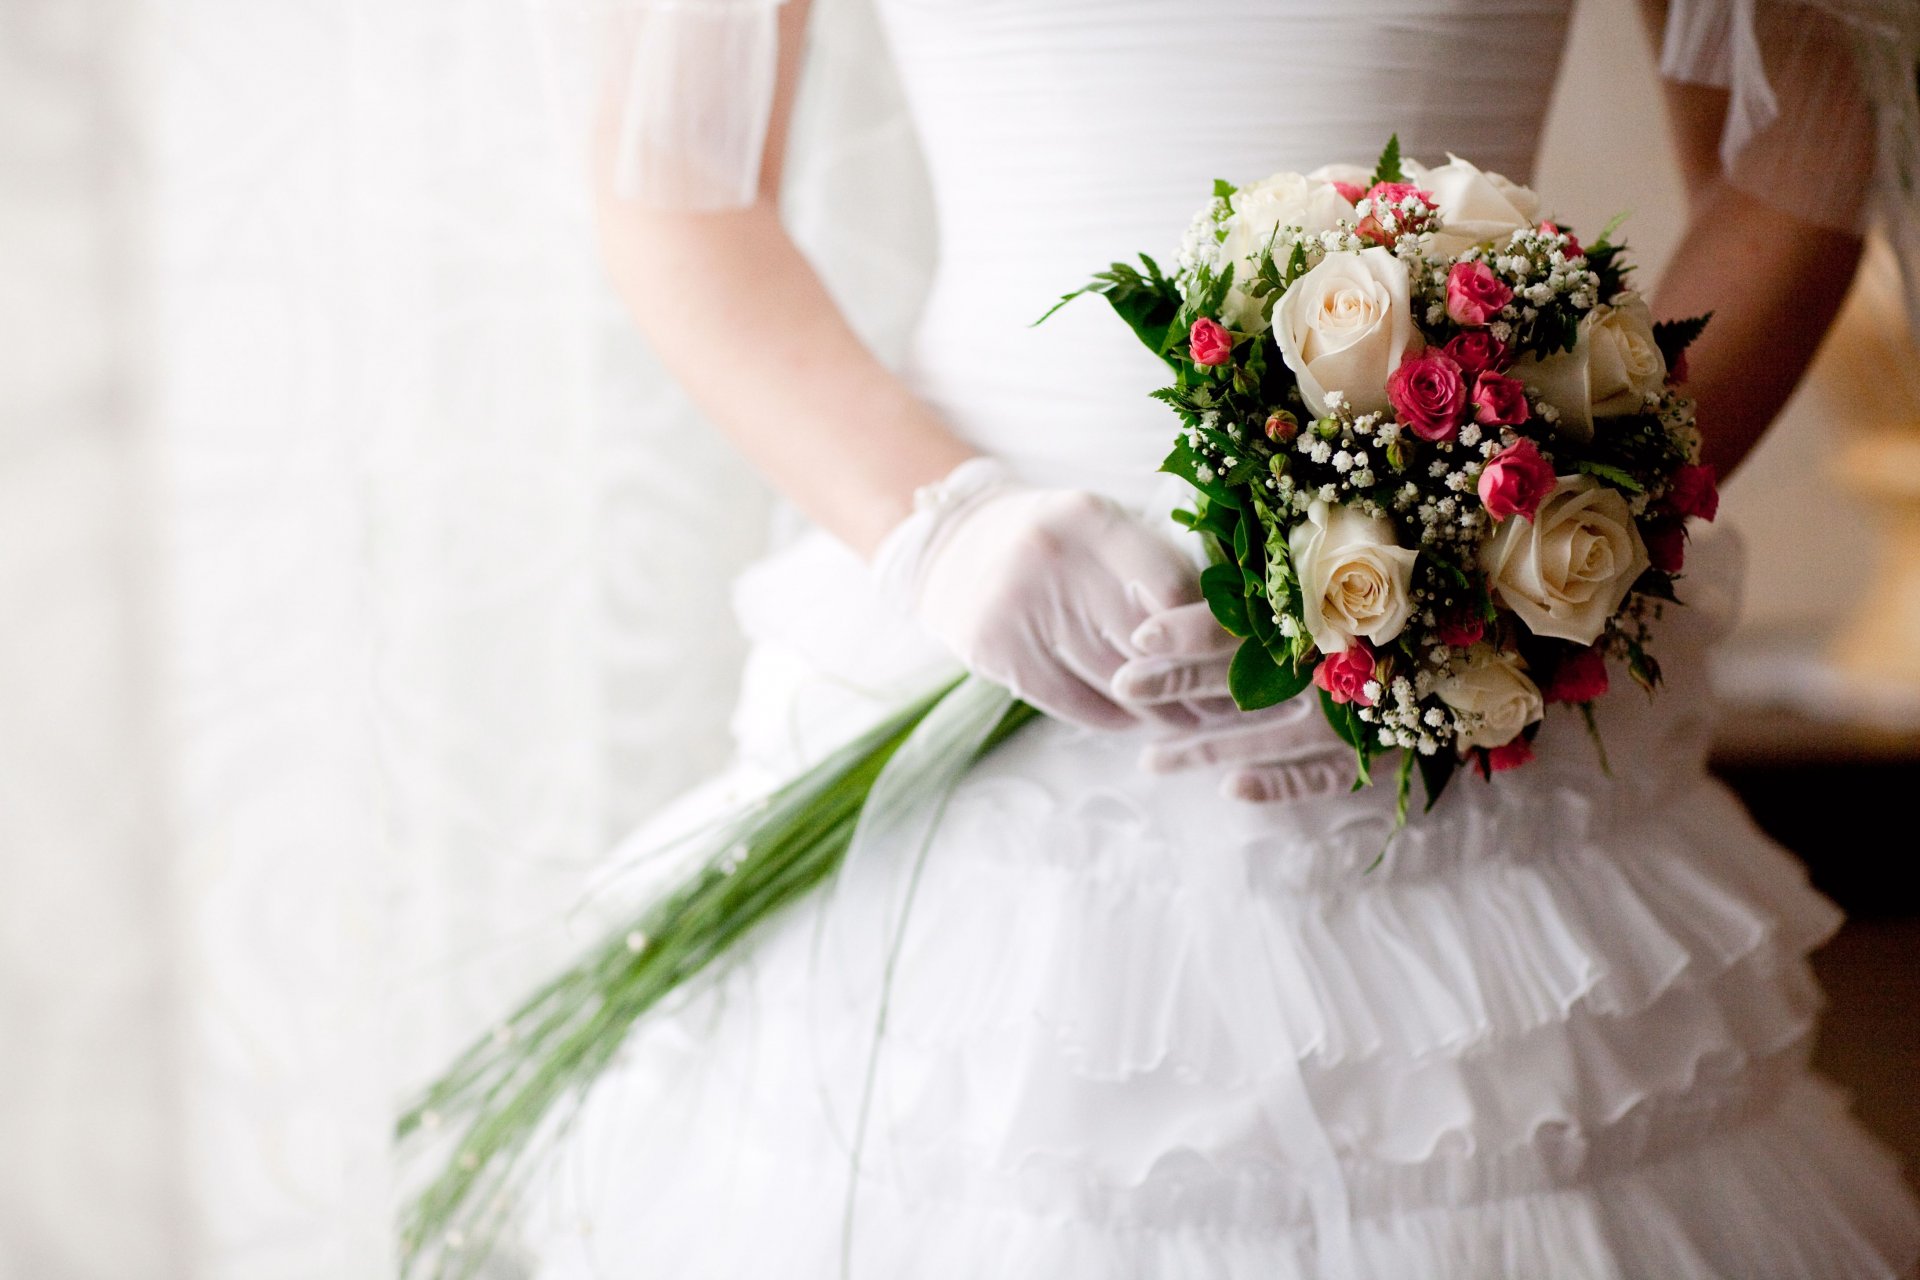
(1039, 590)
(1282, 753)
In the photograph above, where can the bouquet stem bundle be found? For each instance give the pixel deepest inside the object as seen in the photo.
(503, 1090)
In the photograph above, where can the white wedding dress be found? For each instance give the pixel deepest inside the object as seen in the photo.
(1137, 1030)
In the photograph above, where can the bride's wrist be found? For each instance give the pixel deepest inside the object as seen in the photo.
(934, 508)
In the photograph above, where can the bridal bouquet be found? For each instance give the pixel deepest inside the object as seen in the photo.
(1440, 458)
(1444, 475)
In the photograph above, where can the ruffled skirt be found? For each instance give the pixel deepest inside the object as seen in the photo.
(1135, 1030)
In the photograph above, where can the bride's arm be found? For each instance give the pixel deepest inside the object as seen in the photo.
(1774, 282)
(1037, 590)
(743, 322)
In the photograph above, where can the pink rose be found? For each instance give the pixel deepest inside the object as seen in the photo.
(1515, 481)
(1428, 395)
(1693, 492)
(1344, 675)
(1499, 401)
(1474, 294)
(1282, 427)
(1580, 678)
(1477, 351)
(1666, 546)
(1461, 630)
(1509, 755)
(1678, 369)
(1395, 192)
(1573, 245)
(1351, 192)
(1211, 343)
(1392, 193)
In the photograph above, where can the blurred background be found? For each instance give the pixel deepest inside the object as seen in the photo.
(356, 592)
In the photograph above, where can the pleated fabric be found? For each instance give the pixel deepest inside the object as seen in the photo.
(1136, 1030)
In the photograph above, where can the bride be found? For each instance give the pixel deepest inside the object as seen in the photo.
(1154, 1017)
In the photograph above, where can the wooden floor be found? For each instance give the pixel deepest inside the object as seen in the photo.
(1870, 1039)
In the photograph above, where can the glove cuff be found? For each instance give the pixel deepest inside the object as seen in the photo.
(900, 561)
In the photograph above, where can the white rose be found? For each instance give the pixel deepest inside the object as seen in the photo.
(1351, 173)
(1566, 571)
(1258, 211)
(1492, 698)
(1614, 366)
(1344, 326)
(1475, 206)
(1355, 577)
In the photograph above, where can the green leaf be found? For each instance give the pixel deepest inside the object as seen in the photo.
(1436, 771)
(1673, 337)
(1210, 299)
(1604, 261)
(1222, 585)
(1149, 303)
(1656, 584)
(1614, 476)
(1187, 464)
(1605, 239)
(1351, 728)
(1387, 167)
(1255, 680)
(1642, 667)
(1296, 263)
(1265, 630)
(1210, 517)
(1593, 731)
(1222, 189)
(1403, 788)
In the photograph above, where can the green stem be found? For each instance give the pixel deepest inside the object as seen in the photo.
(565, 1032)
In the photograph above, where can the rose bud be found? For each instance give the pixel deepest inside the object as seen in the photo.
(1666, 546)
(1390, 194)
(1474, 294)
(1345, 675)
(1579, 678)
(1461, 630)
(1693, 492)
(1515, 481)
(1499, 401)
(1477, 351)
(1351, 192)
(1428, 395)
(1510, 755)
(1679, 370)
(1395, 192)
(1282, 427)
(1573, 245)
(1211, 343)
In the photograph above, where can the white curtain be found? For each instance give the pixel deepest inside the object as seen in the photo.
(360, 582)
(89, 1148)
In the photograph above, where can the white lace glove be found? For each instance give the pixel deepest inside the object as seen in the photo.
(1038, 590)
(1282, 753)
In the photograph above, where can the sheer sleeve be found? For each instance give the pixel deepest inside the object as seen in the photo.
(673, 96)
(1801, 129)
(1823, 121)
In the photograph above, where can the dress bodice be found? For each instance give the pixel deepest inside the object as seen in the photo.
(1054, 152)
(1091, 1021)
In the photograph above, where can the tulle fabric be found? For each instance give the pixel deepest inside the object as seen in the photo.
(1823, 119)
(1561, 1030)
(1136, 1031)
(674, 96)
